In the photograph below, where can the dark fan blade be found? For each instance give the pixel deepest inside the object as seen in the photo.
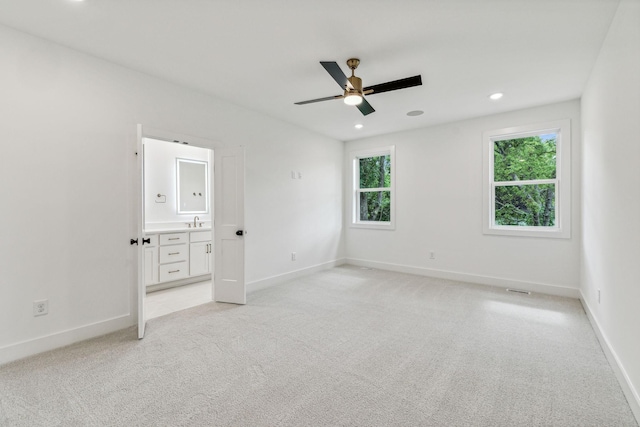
(337, 74)
(395, 85)
(365, 108)
(328, 98)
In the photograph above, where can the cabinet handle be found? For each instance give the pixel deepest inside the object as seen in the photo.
(174, 253)
(174, 271)
(174, 238)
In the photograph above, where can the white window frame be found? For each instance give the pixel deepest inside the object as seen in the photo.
(562, 228)
(355, 199)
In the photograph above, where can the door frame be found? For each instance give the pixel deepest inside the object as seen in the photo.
(171, 137)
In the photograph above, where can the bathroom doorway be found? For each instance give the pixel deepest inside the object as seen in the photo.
(191, 223)
(178, 223)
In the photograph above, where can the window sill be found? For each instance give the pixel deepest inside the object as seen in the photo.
(373, 225)
(553, 233)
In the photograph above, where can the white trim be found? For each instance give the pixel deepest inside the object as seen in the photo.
(63, 338)
(525, 182)
(630, 392)
(170, 136)
(562, 182)
(267, 282)
(177, 283)
(542, 288)
(138, 179)
(355, 222)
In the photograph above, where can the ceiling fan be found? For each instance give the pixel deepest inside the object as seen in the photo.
(354, 92)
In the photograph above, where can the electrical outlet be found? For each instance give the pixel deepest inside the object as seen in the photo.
(41, 307)
(293, 256)
(432, 255)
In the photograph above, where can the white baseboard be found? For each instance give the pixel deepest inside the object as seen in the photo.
(274, 280)
(630, 392)
(60, 339)
(542, 288)
(176, 283)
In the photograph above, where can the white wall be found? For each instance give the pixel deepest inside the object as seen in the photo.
(67, 170)
(611, 194)
(160, 178)
(439, 183)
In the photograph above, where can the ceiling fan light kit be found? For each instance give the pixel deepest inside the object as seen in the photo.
(352, 98)
(354, 92)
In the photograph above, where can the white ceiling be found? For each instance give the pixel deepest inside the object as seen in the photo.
(264, 54)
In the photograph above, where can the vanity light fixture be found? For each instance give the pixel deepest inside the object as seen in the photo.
(496, 96)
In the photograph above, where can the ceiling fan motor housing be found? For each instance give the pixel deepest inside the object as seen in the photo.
(356, 82)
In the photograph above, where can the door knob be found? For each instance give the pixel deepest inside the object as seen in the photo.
(239, 233)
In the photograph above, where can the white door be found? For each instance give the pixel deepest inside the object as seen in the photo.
(150, 265)
(142, 288)
(228, 283)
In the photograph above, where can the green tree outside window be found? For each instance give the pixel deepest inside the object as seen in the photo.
(375, 177)
(525, 181)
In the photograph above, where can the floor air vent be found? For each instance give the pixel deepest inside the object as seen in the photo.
(518, 291)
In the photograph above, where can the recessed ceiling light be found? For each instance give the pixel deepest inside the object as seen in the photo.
(358, 126)
(415, 113)
(495, 96)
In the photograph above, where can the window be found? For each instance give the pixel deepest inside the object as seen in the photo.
(373, 182)
(528, 180)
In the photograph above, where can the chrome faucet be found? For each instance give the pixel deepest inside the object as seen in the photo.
(194, 221)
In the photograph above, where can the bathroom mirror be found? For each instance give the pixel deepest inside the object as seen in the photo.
(192, 186)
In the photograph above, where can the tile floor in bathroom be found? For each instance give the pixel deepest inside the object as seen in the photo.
(167, 301)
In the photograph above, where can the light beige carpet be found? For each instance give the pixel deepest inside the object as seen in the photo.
(345, 347)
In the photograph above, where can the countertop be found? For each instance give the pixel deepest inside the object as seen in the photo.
(175, 230)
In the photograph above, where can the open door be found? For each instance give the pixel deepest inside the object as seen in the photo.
(228, 282)
(142, 290)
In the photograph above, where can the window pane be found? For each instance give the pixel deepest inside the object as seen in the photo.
(526, 205)
(519, 159)
(375, 172)
(375, 206)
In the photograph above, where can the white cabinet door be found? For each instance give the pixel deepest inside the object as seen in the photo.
(150, 265)
(200, 258)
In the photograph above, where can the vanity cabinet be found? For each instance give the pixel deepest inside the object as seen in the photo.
(199, 253)
(175, 256)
